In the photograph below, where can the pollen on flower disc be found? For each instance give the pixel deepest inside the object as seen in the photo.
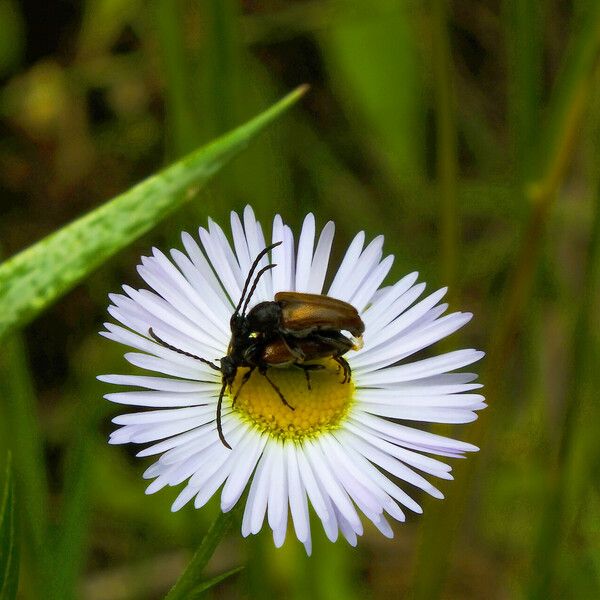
(320, 409)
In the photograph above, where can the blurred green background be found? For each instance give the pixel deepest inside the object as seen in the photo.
(466, 132)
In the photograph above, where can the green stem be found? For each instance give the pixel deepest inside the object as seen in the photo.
(446, 136)
(428, 583)
(190, 579)
(566, 109)
(525, 53)
(183, 128)
(552, 528)
(224, 44)
(567, 103)
(70, 535)
(22, 434)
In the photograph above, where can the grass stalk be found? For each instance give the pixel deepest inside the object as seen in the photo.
(556, 146)
(182, 122)
(428, 584)
(24, 438)
(524, 40)
(69, 543)
(446, 142)
(191, 578)
(223, 65)
(554, 519)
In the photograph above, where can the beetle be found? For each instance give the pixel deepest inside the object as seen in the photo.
(290, 330)
(300, 315)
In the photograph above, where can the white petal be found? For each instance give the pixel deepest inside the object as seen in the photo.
(401, 434)
(243, 447)
(362, 496)
(221, 265)
(395, 467)
(209, 290)
(173, 442)
(283, 257)
(278, 497)
(204, 270)
(184, 497)
(384, 300)
(368, 287)
(381, 480)
(250, 502)
(346, 527)
(320, 260)
(348, 265)
(399, 397)
(331, 484)
(163, 399)
(240, 473)
(158, 383)
(241, 245)
(366, 263)
(312, 487)
(261, 495)
(409, 343)
(422, 368)
(431, 414)
(378, 324)
(305, 253)
(256, 243)
(192, 369)
(297, 494)
(162, 416)
(396, 327)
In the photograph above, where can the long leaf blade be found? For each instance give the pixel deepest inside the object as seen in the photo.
(34, 278)
(211, 583)
(9, 548)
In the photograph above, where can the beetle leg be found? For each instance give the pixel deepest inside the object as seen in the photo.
(306, 369)
(340, 360)
(264, 374)
(242, 383)
(179, 351)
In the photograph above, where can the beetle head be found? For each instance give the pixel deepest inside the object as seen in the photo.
(228, 369)
(264, 317)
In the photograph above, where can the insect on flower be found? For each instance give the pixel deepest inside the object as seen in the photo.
(291, 330)
(339, 426)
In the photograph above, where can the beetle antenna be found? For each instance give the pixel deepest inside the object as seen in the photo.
(253, 288)
(180, 351)
(251, 273)
(219, 423)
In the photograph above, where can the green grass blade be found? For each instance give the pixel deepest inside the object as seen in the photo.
(182, 119)
(190, 580)
(523, 19)
(211, 583)
(69, 540)
(9, 545)
(561, 477)
(33, 279)
(569, 99)
(386, 101)
(222, 62)
(446, 143)
(22, 434)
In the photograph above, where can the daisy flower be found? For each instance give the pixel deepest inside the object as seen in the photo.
(346, 448)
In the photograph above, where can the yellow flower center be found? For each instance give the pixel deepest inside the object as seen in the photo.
(320, 409)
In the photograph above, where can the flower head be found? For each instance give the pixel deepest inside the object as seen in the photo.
(300, 429)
